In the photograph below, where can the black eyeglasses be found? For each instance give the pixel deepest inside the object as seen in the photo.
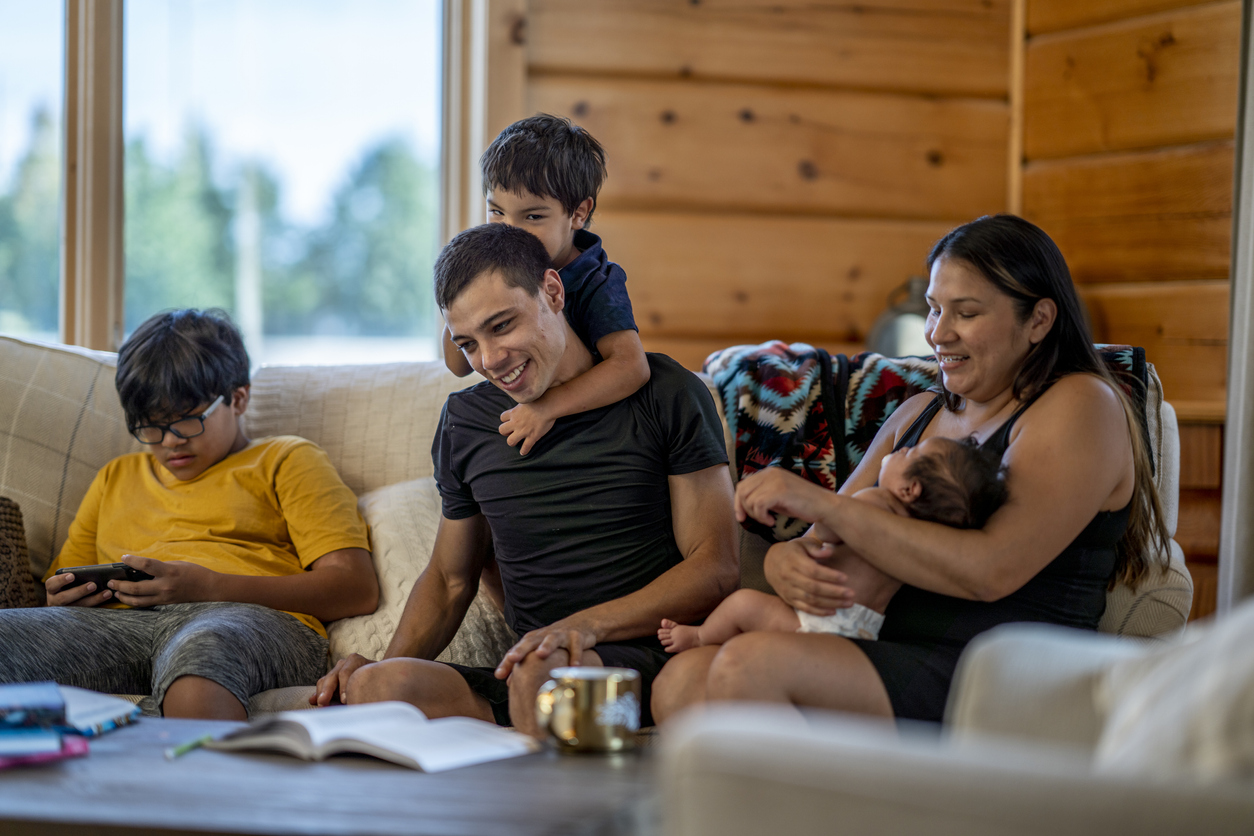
(187, 427)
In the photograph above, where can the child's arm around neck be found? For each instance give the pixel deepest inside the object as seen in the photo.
(621, 372)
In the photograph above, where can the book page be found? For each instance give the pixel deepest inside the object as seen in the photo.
(91, 712)
(377, 720)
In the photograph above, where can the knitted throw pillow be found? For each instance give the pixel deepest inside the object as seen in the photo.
(17, 584)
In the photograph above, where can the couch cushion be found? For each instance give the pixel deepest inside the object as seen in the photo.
(60, 422)
(1186, 710)
(403, 521)
(376, 423)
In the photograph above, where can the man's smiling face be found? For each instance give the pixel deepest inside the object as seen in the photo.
(515, 340)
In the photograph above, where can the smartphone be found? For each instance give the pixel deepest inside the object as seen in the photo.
(101, 573)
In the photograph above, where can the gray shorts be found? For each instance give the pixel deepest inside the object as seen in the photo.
(245, 648)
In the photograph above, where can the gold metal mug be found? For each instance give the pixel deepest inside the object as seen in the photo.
(589, 709)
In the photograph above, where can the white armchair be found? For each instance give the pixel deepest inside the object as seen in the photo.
(1017, 758)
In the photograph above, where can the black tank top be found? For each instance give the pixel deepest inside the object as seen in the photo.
(1070, 591)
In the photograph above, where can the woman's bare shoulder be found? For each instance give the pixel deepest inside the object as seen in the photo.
(903, 416)
(1077, 401)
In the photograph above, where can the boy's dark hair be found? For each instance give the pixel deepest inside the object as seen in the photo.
(548, 156)
(177, 360)
(962, 485)
(515, 253)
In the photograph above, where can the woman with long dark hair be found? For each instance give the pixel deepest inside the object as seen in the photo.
(1018, 371)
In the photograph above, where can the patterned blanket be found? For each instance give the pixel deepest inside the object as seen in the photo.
(796, 406)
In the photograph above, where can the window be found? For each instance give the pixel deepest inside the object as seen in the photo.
(32, 87)
(282, 163)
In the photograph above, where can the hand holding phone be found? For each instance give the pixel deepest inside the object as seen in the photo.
(101, 573)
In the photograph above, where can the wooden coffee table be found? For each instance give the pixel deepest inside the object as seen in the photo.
(127, 785)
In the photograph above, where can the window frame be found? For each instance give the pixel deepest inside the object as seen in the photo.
(483, 90)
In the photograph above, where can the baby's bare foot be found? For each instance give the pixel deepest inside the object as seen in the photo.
(677, 638)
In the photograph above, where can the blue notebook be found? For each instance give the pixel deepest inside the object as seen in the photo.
(26, 705)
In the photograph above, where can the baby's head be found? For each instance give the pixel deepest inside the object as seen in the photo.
(956, 483)
(543, 174)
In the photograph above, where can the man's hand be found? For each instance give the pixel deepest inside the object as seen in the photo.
(778, 491)
(570, 633)
(525, 424)
(173, 582)
(80, 596)
(336, 682)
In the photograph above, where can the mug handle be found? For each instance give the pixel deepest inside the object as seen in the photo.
(546, 700)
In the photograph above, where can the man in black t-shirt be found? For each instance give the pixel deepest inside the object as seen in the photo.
(618, 517)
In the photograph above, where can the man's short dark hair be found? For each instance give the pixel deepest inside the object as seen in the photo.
(961, 486)
(516, 254)
(548, 156)
(177, 360)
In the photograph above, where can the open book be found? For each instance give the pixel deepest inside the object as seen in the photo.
(393, 731)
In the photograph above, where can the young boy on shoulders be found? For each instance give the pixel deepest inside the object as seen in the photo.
(251, 544)
(543, 174)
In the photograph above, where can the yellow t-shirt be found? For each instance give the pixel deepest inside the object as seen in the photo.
(270, 509)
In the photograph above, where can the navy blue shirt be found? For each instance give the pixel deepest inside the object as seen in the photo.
(585, 517)
(596, 293)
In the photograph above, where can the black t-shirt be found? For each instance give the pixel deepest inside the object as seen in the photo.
(585, 517)
(596, 293)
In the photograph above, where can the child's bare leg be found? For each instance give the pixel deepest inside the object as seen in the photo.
(744, 611)
(203, 699)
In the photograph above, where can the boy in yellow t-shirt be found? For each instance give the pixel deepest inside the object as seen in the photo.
(250, 544)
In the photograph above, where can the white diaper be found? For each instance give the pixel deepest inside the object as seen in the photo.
(856, 622)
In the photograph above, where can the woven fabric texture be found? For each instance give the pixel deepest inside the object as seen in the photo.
(17, 584)
(60, 422)
(403, 521)
(376, 423)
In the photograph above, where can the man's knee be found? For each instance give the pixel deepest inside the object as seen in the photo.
(532, 672)
(390, 679)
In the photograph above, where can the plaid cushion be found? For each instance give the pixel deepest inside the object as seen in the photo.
(60, 422)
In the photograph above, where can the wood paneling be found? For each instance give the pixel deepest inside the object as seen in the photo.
(942, 47)
(1138, 249)
(1183, 327)
(1205, 589)
(744, 278)
(1141, 83)
(691, 352)
(1185, 180)
(1198, 529)
(1201, 455)
(1052, 15)
(1162, 214)
(745, 148)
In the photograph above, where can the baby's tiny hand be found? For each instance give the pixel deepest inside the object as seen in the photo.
(525, 424)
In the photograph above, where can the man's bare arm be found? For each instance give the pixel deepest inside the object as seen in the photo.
(444, 591)
(436, 605)
(705, 531)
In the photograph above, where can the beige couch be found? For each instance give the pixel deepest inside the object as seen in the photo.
(1049, 731)
(60, 421)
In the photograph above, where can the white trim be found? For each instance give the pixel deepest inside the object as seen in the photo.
(1236, 534)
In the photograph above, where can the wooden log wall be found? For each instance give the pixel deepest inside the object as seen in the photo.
(1129, 114)
(777, 167)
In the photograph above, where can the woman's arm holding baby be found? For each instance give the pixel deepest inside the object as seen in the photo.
(337, 585)
(1069, 458)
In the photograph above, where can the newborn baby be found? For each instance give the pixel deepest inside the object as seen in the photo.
(940, 480)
